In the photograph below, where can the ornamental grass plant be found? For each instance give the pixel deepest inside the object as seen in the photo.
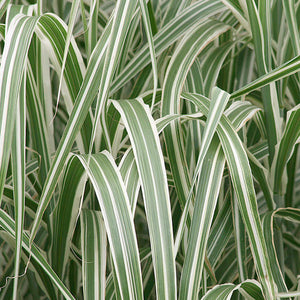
(149, 149)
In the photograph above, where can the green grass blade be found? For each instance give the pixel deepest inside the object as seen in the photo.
(212, 65)
(286, 146)
(167, 36)
(11, 70)
(249, 289)
(2, 31)
(120, 25)
(130, 175)
(84, 99)
(53, 33)
(37, 123)
(238, 114)
(66, 214)
(18, 170)
(220, 233)
(280, 72)
(236, 9)
(7, 223)
(36, 273)
(146, 147)
(210, 177)
(115, 208)
(146, 20)
(291, 18)
(289, 214)
(218, 104)
(92, 28)
(260, 29)
(223, 291)
(174, 8)
(268, 232)
(240, 241)
(261, 175)
(207, 191)
(72, 19)
(242, 181)
(3, 7)
(189, 48)
(93, 242)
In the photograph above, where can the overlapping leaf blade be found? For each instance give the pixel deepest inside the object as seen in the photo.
(8, 225)
(148, 155)
(286, 146)
(186, 52)
(167, 36)
(115, 208)
(81, 107)
(242, 181)
(250, 289)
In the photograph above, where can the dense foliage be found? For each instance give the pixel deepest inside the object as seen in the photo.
(149, 149)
